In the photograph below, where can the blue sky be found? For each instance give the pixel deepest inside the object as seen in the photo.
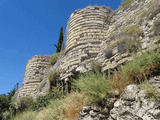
(31, 27)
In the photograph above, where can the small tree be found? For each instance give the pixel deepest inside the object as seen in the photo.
(60, 41)
(4, 104)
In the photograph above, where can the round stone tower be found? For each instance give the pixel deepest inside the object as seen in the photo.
(87, 26)
(35, 81)
(85, 31)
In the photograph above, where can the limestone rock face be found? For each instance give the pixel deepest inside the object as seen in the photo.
(134, 104)
(36, 77)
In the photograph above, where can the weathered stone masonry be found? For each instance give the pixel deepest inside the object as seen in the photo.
(36, 77)
(90, 31)
(85, 31)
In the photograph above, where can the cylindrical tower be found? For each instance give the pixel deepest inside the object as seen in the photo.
(87, 26)
(35, 81)
(85, 31)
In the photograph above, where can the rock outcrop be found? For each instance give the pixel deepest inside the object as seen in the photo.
(35, 81)
(136, 103)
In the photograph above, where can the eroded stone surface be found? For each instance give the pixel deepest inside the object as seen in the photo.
(133, 104)
(35, 81)
(94, 31)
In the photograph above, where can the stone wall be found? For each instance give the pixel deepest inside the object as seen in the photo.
(94, 34)
(36, 77)
(95, 31)
(121, 19)
(85, 31)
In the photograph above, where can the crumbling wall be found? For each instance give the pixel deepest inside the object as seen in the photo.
(94, 34)
(128, 17)
(35, 81)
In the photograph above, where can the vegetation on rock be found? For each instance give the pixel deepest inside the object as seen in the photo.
(150, 91)
(54, 58)
(126, 3)
(94, 85)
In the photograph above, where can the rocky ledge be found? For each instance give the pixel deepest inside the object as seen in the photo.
(138, 102)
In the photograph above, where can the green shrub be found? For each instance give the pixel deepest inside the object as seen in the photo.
(133, 30)
(57, 92)
(150, 91)
(126, 3)
(142, 65)
(53, 112)
(67, 108)
(53, 78)
(6, 115)
(40, 103)
(128, 39)
(141, 15)
(41, 85)
(154, 9)
(95, 66)
(50, 77)
(93, 84)
(4, 103)
(54, 58)
(127, 43)
(121, 46)
(24, 103)
(136, 70)
(27, 115)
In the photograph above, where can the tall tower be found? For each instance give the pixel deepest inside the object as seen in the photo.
(35, 81)
(85, 31)
(87, 26)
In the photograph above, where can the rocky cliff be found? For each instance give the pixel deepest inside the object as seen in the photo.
(136, 103)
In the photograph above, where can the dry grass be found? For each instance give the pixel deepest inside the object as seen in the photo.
(29, 115)
(136, 71)
(73, 105)
(64, 109)
(94, 85)
(54, 58)
(150, 91)
(132, 30)
(154, 9)
(67, 108)
(126, 2)
(98, 88)
(119, 81)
